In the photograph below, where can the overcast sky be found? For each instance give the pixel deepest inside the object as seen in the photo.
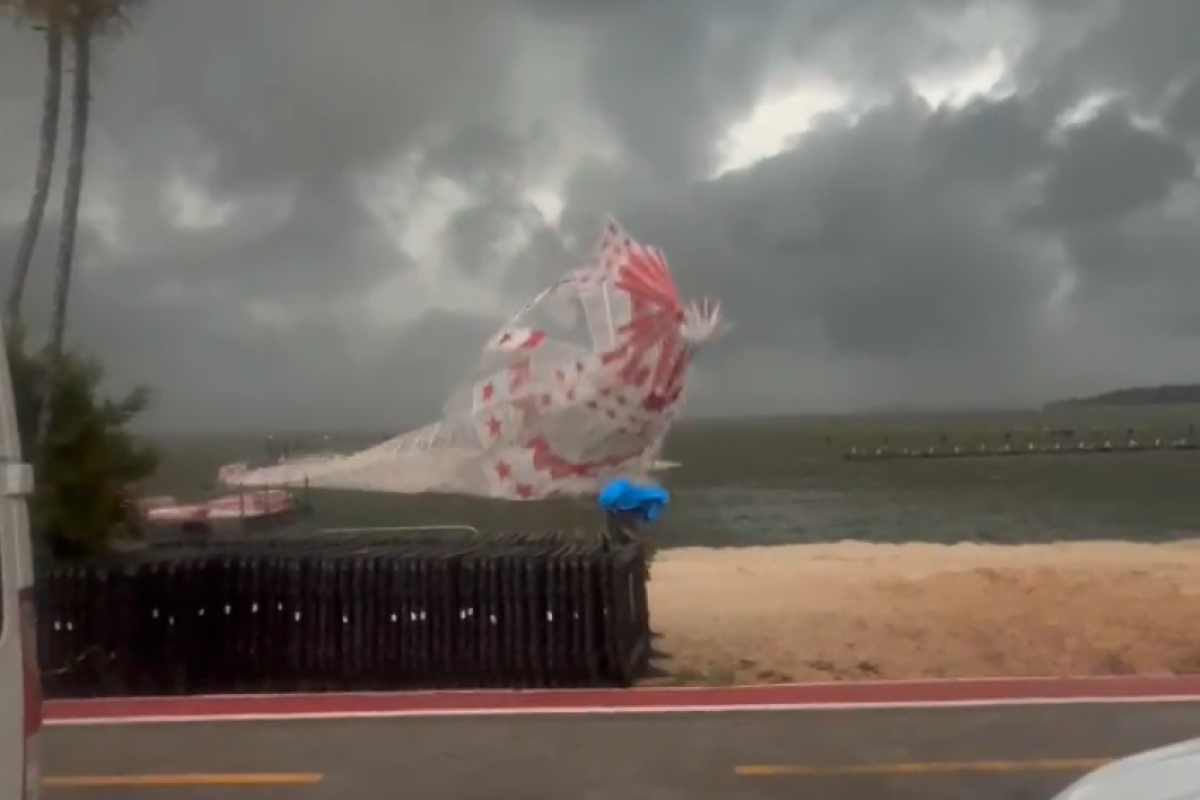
(308, 214)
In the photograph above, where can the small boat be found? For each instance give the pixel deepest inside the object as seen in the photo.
(164, 518)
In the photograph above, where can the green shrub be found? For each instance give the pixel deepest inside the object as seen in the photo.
(90, 460)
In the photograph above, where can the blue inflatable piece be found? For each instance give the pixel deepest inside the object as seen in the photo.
(644, 502)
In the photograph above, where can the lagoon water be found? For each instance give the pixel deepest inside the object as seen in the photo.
(754, 482)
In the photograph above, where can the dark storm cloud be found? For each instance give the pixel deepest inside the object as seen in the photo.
(989, 141)
(1109, 168)
(482, 152)
(868, 233)
(286, 89)
(279, 113)
(671, 75)
(491, 160)
(898, 252)
(474, 232)
(212, 367)
(1144, 48)
(304, 100)
(1183, 111)
(317, 248)
(901, 240)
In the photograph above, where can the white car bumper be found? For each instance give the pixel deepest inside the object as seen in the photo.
(1169, 773)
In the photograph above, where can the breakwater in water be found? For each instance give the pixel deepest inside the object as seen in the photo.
(369, 611)
(1008, 449)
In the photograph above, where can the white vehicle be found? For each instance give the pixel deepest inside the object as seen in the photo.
(20, 680)
(1168, 773)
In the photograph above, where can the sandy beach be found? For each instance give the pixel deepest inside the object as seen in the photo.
(853, 611)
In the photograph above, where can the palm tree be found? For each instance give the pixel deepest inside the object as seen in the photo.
(48, 16)
(84, 19)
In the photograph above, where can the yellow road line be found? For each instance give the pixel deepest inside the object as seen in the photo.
(130, 781)
(921, 768)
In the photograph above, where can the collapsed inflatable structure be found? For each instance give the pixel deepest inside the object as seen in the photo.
(580, 387)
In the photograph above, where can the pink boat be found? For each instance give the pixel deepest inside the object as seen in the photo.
(166, 517)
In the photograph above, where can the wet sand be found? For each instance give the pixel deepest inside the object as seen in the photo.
(854, 611)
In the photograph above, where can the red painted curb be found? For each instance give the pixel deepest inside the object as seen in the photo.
(880, 693)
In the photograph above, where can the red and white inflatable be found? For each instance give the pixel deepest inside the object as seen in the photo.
(579, 387)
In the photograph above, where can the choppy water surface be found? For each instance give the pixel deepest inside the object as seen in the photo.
(765, 482)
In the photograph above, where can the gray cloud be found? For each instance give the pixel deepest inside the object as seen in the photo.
(983, 254)
(300, 89)
(1183, 111)
(257, 320)
(869, 233)
(1109, 168)
(215, 367)
(1136, 47)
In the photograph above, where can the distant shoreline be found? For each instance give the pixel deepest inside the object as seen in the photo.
(1169, 395)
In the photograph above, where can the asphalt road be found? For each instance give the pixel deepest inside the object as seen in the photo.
(1000, 753)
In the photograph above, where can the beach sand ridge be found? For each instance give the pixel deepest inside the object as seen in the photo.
(853, 610)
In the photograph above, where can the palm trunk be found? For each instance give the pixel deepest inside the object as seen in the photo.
(81, 41)
(51, 101)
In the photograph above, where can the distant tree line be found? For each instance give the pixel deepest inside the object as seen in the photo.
(1169, 395)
